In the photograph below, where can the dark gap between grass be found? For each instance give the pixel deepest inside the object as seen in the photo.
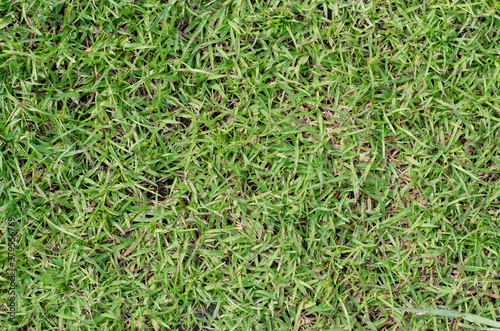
(186, 121)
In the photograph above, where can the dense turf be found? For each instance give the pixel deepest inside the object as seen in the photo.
(250, 165)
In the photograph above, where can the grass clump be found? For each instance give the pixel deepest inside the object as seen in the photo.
(250, 165)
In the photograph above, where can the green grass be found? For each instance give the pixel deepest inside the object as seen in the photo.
(251, 165)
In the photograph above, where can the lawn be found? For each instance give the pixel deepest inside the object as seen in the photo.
(250, 165)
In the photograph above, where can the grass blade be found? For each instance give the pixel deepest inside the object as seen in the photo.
(158, 19)
(453, 314)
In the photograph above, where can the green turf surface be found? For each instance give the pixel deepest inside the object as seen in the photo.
(250, 165)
